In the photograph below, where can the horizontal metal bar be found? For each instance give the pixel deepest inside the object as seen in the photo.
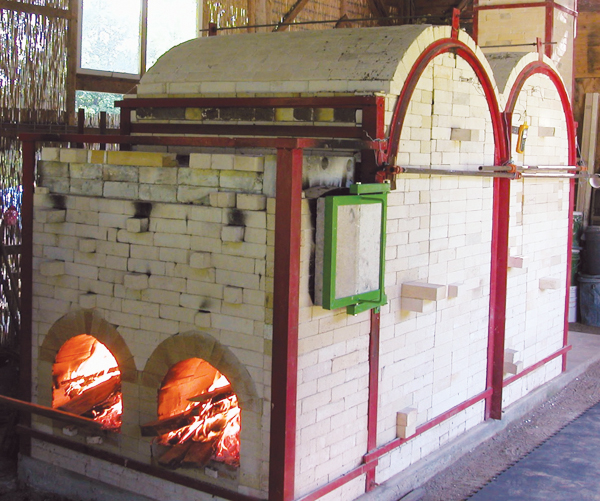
(48, 412)
(248, 102)
(394, 444)
(451, 172)
(532, 168)
(338, 482)
(548, 175)
(443, 19)
(279, 131)
(537, 365)
(516, 45)
(205, 141)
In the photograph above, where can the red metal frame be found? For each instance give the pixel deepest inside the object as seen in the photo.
(286, 286)
(339, 482)
(374, 340)
(435, 49)
(390, 446)
(25, 334)
(370, 459)
(248, 102)
(498, 287)
(549, 28)
(539, 67)
(475, 21)
(284, 372)
(523, 5)
(373, 108)
(499, 261)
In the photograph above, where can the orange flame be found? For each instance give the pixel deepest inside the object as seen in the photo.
(99, 367)
(213, 420)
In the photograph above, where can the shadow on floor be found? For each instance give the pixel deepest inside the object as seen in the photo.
(588, 329)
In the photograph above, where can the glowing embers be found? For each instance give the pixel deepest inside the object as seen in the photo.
(198, 417)
(87, 381)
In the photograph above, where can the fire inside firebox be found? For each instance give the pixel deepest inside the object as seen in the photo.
(198, 417)
(87, 381)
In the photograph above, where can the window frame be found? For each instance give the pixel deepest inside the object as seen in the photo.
(113, 81)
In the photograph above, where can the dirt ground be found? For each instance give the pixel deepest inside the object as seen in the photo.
(480, 466)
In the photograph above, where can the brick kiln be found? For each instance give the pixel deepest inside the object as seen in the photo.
(185, 265)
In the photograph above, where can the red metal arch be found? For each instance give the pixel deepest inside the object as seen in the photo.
(500, 211)
(542, 68)
(465, 52)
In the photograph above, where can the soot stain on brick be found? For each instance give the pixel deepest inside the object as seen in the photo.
(142, 209)
(236, 218)
(58, 202)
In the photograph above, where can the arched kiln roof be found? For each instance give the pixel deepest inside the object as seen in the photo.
(343, 60)
(507, 66)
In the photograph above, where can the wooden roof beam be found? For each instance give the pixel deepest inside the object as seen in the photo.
(378, 9)
(290, 15)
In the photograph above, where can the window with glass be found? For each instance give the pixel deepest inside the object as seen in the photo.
(126, 37)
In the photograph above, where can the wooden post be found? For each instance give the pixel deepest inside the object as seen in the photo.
(589, 136)
(72, 60)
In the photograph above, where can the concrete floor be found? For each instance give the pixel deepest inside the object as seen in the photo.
(463, 466)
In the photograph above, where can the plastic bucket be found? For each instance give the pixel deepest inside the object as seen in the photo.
(589, 299)
(591, 258)
(572, 304)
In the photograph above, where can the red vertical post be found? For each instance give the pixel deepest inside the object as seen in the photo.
(25, 331)
(569, 264)
(549, 29)
(284, 376)
(212, 29)
(455, 23)
(498, 294)
(498, 279)
(374, 338)
(571, 134)
(373, 125)
(475, 20)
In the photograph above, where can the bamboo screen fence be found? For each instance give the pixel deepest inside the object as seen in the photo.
(33, 72)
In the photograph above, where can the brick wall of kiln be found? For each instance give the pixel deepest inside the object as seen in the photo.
(204, 270)
(538, 232)
(438, 231)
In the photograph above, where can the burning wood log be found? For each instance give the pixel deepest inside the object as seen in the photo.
(199, 453)
(87, 400)
(224, 390)
(175, 455)
(166, 425)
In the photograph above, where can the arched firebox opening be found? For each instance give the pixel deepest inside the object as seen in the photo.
(78, 338)
(198, 417)
(193, 382)
(86, 380)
